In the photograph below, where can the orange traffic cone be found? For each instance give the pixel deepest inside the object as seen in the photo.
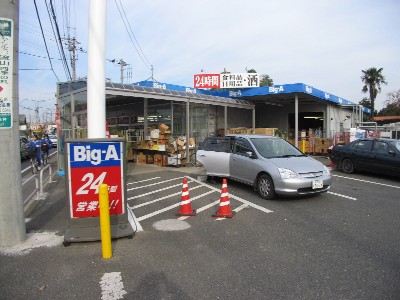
(224, 210)
(186, 208)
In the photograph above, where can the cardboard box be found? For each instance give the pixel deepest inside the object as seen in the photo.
(163, 127)
(141, 158)
(266, 131)
(158, 160)
(180, 142)
(144, 144)
(171, 147)
(174, 160)
(129, 154)
(155, 133)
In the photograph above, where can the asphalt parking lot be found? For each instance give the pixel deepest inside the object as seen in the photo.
(343, 244)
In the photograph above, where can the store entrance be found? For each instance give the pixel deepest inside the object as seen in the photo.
(307, 120)
(199, 123)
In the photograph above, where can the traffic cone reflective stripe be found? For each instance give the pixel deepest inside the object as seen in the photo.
(224, 210)
(185, 208)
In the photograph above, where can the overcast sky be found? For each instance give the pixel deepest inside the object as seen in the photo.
(321, 43)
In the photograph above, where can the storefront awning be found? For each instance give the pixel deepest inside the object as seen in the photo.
(118, 89)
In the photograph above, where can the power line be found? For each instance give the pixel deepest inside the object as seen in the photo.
(58, 37)
(40, 23)
(34, 69)
(21, 52)
(130, 34)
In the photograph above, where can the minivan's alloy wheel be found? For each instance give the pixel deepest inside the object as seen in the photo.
(265, 187)
(347, 166)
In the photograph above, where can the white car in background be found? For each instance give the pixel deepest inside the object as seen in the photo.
(270, 164)
(53, 139)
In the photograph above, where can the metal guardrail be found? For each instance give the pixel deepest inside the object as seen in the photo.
(41, 180)
(35, 191)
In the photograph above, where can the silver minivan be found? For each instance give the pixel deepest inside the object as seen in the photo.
(270, 164)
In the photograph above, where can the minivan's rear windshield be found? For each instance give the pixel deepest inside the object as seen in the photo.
(272, 148)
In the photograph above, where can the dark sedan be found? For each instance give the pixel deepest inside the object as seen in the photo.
(370, 155)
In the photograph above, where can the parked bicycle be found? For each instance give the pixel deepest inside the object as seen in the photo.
(35, 154)
(34, 164)
(193, 159)
(44, 157)
(193, 156)
(46, 145)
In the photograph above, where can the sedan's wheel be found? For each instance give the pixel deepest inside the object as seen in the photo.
(347, 166)
(265, 187)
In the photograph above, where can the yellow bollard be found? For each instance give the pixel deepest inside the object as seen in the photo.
(105, 228)
(304, 146)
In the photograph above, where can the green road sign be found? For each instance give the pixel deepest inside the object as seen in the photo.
(6, 72)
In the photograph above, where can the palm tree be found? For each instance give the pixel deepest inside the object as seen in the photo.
(372, 79)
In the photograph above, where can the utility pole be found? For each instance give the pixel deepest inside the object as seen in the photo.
(122, 65)
(129, 75)
(37, 110)
(72, 48)
(71, 45)
(12, 220)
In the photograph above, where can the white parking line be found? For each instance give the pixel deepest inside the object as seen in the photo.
(235, 197)
(367, 181)
(135, 182)
(235, 210)
(159, 199)
(153, 192)
(170, 207)
(133, 221)
(201, 209)
(201, 184)
(344, 196)
(140, 187)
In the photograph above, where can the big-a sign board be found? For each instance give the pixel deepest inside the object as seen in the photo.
(91, 163)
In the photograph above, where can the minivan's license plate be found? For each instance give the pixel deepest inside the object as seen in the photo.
(317, 184)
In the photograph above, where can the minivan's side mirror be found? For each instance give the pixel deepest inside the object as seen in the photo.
(250, 154)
